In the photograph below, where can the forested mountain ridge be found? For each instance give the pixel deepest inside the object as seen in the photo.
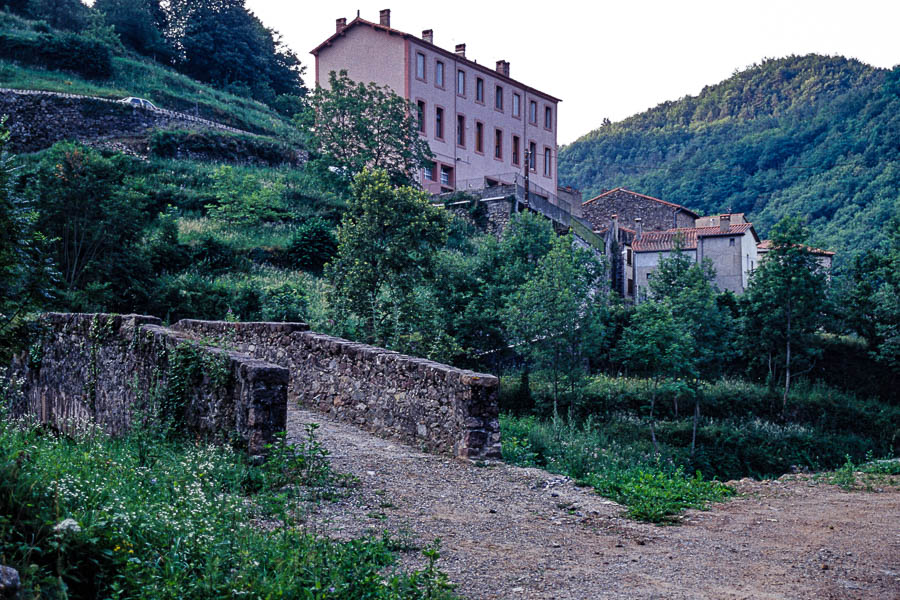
(806, 135)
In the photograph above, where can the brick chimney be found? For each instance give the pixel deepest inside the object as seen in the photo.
(724, 223)
(340, 24)
(461, 50)
(503, 67)
(639, 225)
(384, 17)
(428, 35)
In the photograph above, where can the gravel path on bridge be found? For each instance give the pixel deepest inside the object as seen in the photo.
(510, 532)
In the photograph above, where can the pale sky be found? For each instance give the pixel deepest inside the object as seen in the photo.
(614, 59)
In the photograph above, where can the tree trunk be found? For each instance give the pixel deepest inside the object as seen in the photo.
(696, 420)
(652, 424)
(787, 366)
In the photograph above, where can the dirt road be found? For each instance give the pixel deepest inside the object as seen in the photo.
(510, 532)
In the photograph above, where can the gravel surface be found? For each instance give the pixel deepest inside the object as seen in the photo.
(511, 532)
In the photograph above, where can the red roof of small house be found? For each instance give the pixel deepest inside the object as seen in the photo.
(766, 245)
(470, 63)
(627, 191)
(664, 241)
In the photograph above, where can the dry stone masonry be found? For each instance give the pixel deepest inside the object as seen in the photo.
(421, 402)
(101, 367)
(96, 366)
(39, 119)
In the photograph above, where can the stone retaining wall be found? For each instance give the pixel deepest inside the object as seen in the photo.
(421, 402)
(37, 120)
(101, 366)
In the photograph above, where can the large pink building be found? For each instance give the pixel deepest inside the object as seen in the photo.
(480, 123)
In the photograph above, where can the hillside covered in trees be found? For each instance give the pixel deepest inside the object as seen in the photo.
(803, 135)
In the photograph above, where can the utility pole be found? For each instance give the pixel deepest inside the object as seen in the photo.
(527, 160)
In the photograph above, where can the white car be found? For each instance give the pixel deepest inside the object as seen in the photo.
(138, 102)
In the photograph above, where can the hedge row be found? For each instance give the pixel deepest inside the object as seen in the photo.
(65, 51)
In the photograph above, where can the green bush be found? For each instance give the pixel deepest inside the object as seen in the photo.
(65, 51)
(311, 247)
(618, 466)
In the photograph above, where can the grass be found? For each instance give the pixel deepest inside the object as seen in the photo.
(162, 86)
(86, 516)
(270, 235)
(651, 488)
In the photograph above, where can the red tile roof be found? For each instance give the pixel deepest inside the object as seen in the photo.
(470, 63)
(627, 191)
(664, 241)
(766, 245)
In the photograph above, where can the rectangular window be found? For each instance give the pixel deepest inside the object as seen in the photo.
(628, 257)
(479, 137)
(532, 160)
(498, 144)
(547, 169)
(461, 82)
(498, 98)
(439, 74)
(429, 171)
(446, 175)
(439, 123)
(517, 101)
(515, 150)
(731, 241)
(420, 66)
(548, 117)
(460, 131)
(532, 111)
(420, 114)
(479, 90)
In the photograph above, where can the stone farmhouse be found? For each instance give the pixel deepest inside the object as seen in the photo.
(640, 229)
(482, 125)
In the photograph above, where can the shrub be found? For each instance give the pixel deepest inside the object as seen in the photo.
(65, 51)
(312, 246)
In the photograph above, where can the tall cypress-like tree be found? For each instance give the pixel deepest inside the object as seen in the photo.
(784, 304)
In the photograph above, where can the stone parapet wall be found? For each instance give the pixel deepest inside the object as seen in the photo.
(421, 402)
(100, 367)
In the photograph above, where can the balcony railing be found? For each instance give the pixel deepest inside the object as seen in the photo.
(539, 200)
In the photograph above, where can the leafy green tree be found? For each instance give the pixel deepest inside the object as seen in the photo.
(243, 200)
(71, 15)
(311, 247)
(556, 318)
(689, 288)
(784, 303)
(135, 21)
(354, 126)
(387, 241)
(476, 282)
(223, 43)
(655, 344)
(26, 272)
(869, 299)
(94, 217)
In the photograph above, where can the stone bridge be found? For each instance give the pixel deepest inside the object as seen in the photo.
(232, 381)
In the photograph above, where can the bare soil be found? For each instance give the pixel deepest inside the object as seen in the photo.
(511, 532)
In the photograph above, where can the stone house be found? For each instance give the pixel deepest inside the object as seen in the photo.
(727, 240)
(482, 125)
(824, 257)
(635, 210)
